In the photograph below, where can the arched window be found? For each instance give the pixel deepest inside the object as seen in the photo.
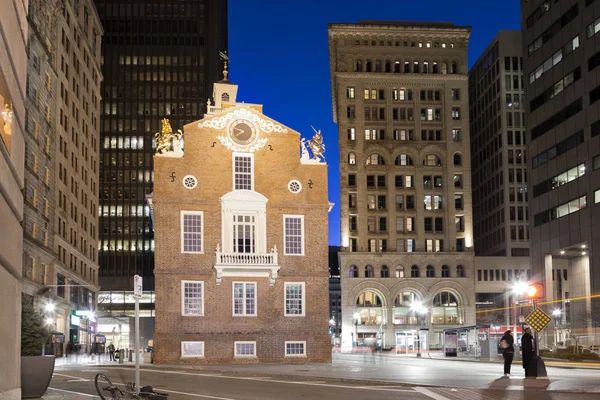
(445, 309)
(369, 271)
(388, 66)
(416, 67)
(359, 66)
(432, 160)
(425, 67)
(457, 160)
(404, 312)
(444, 68)
(399, 271)
(377, 65)
(403, 160)
(225, 97)
(369, 299)
(385, 271)
(454, 69)
(460, 271)
(375, 159)
(414, 271)
(445, 271)
(406, 67)
(430, 271)
(397, 67)
(435, 68)
(351, 158)
(353, 271)
(369, 309)
(369, 66)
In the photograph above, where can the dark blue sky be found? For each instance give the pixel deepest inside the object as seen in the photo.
(280, 58)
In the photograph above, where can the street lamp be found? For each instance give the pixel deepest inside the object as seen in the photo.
(420, 310)
(356, 318)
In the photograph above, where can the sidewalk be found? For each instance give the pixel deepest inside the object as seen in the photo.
(100, 359)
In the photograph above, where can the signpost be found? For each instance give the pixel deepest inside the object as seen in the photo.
(137, 293)
(538, 320)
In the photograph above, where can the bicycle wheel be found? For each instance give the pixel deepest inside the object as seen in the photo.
(105, 388)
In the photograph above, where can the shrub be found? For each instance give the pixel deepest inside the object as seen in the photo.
(33, 333)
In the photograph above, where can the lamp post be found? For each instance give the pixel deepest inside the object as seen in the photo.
(420, 311)
(49, 308)
(356, 317)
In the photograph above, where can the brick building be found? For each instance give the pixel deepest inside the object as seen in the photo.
(241, 241)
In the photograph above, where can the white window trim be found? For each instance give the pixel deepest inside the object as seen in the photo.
(245, 314)
(295, 355)
(302, 238)
(303, 299)
(181, 233)
(235, 354)
(234, 155)
(183, 299)
(192, 356)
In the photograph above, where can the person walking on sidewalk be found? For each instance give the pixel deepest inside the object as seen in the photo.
(111, 352)
(507, 343)
(527, 351)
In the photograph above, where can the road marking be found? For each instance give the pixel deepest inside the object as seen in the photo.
(429, 393)
(305, 383)
(74, 377)
(79, 393)
(197, 395)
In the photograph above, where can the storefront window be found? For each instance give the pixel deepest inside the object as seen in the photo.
(445, 309)
(369, 309)
(403, 314)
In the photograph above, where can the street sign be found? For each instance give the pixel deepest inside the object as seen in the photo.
(137, 286)
(538, 319)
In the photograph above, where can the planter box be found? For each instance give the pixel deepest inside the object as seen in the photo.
(36, 373)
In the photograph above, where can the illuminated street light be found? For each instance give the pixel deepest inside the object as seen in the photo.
(49, 321)
(556, 313)
(562, 252)
(520, 287)
(49, 307)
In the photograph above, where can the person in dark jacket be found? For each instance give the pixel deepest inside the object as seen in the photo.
(507, 343)
(527, 350)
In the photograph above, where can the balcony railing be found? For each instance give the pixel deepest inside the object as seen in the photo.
(247, 264)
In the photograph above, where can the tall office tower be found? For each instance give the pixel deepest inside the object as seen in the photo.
(160, 60)
(400, 98)
(561, 65)
(498, 156)
(76, 121)
(13, 71)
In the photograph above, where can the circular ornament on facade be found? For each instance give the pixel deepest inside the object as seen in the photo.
(190, 181)
(295, 186)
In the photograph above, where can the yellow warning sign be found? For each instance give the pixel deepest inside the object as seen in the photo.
(538, 319)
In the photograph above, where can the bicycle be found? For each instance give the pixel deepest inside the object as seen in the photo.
(109, 391)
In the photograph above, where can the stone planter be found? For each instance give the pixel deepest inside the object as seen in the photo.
(36, 373)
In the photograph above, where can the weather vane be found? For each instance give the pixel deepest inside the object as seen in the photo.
(223, 55)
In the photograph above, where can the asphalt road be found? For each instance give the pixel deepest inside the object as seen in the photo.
(399, 377)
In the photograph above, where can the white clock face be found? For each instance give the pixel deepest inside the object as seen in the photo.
(242, 132)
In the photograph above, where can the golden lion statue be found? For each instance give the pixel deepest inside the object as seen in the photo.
(164, 139)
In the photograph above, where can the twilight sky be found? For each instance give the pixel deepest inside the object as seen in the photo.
(280, 58)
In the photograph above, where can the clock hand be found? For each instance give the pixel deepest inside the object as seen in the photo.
(237, 132)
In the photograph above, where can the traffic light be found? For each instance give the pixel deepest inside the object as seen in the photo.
(535, 290)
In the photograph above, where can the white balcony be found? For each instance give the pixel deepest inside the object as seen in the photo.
(247, 265)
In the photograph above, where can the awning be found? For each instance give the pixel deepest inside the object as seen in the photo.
(466, 328)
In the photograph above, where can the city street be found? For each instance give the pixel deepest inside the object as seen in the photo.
(383, 377)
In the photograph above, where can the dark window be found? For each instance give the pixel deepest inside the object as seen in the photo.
(557, 119)
(399, 181)
(381, 181)
(351, 179)
(562, 147)
(370, 181)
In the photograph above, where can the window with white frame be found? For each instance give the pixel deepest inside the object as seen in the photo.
(293, 226)
(192, 298)
(244, 298)
(295, 349)
(245, 349)
(294, 299)
(191, 231)
(192, 349)
(242, 171)
(244, 233)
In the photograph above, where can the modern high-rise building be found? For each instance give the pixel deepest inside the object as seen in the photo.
(13, 78)
(160, 60)
(561, 65)
(498, 154)
(400, 98)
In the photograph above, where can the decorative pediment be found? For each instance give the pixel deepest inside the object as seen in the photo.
(228, 117)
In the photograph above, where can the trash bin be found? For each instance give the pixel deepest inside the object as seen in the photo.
(121, 356)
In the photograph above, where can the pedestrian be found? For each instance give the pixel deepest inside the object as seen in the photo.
(507, 343)
(527, 351)
(111, 352)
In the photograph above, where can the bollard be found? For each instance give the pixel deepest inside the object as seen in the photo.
(130, 355)
(121, 356)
